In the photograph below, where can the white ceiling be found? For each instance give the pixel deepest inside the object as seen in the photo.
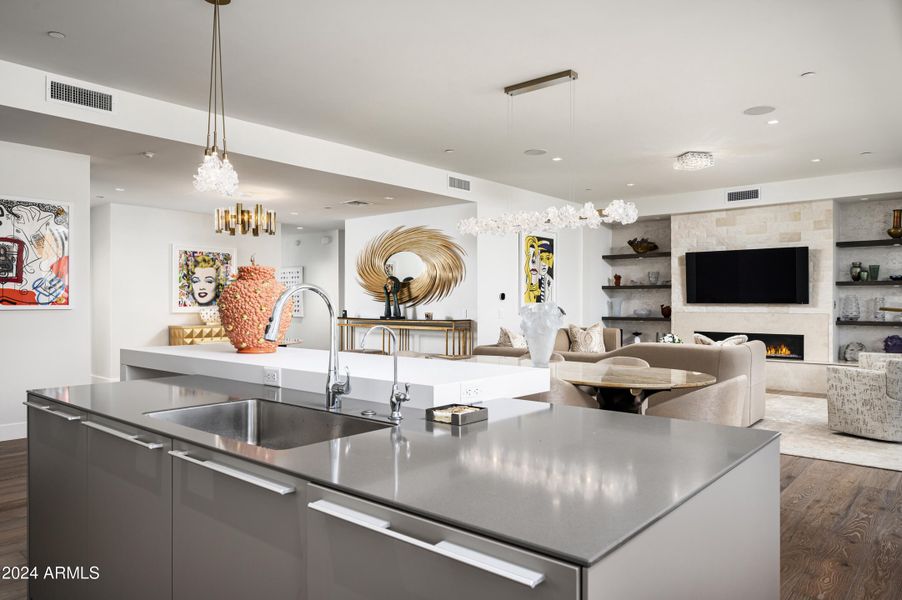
(165, 180)
(409, 79)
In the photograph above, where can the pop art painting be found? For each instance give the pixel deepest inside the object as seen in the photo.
(34, 254)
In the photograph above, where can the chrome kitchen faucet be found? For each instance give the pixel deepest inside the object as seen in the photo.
(397, 397)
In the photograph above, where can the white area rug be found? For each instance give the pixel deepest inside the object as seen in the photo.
(803, 423)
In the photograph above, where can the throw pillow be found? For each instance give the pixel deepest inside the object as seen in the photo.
(587, 339)
(511, 339)
(733, 340)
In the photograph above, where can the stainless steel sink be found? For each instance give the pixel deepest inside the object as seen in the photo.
(268, 424)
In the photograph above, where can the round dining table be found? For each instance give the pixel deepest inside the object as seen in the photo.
(636, 379)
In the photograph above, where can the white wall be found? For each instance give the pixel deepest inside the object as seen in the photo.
(47, 348)
(460, 304)
(321, 260)
(135, 274)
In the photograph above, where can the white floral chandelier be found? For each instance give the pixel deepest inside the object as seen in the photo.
(552, 219)
(216, 172)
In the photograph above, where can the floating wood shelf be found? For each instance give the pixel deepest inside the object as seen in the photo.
(869, 323)
(635, 319)
(660, 254)
(868, 283)
(636, 287)
(870, 243)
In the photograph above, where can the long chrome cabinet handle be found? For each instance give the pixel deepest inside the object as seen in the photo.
(493, 565)
(266, 484)
(122, 435)
(53, 412)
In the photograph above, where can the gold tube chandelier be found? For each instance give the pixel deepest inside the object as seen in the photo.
(242, 221)
(216, 172)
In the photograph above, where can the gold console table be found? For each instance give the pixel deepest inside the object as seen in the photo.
(458, 333)
(189, 335)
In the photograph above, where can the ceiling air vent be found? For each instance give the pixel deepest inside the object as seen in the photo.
(740, 195)
(66, 92)
(457, 183)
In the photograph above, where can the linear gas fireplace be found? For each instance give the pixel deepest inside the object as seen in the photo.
(784, 346)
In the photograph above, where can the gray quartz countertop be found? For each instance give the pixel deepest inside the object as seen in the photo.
(568, 482)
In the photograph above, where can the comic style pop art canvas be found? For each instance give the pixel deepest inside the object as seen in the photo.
(34, 254)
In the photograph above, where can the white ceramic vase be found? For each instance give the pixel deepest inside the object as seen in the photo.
(539, 324)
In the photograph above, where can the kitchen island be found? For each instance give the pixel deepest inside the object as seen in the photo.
(538, 501)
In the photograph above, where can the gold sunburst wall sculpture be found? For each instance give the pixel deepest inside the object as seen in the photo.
(443, 265)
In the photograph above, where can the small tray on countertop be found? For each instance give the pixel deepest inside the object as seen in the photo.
(465, 415)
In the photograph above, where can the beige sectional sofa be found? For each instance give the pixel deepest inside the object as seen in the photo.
(612, 341)
(724, 362)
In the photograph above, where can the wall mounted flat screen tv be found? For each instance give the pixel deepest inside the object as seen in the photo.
(765, 276)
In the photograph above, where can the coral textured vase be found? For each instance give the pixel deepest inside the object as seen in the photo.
(246, 305)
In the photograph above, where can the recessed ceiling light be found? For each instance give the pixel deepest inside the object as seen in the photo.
(449, 151)
(299, 227)
(865, 198)
(807, 74)
(630, 184)
(327, 208)
(148, 154)
(534, 152)
(356, 203)
(388, 197)
(773, 121)
(293, 214)
(120, 189)
(588, 189)
(759, 110)
(99, 197)
(815, 160)
(866, 153)
(57, 35)
(557, 159)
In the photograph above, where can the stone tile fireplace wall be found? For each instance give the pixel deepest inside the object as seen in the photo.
(802, 224)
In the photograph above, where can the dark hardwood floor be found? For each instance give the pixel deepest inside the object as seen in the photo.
(841, 528)
(12, 515)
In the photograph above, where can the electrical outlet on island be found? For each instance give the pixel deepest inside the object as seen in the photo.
(272, 376)
(469, 392)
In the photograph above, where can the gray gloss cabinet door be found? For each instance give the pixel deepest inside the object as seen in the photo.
(237, 529)
(129, 511)
(359, 550)
(57, 532)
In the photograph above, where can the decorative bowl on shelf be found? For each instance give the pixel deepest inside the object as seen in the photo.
(641, 246)
(642, 312)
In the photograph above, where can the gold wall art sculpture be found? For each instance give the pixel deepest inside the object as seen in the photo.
(442, 264)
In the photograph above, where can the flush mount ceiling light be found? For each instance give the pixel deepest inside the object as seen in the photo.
(148, 154)
(758, 110)
(216, 172)
(356, 203)
(808, 74)
(866, 153)
(693, 161)
(242, 221)
(773, 122)
(815, 160)
(557, 159)
(448, 150)
(57, 35)
(534, 152)
(388, 197)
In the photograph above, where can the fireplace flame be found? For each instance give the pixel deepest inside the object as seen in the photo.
(779, 350)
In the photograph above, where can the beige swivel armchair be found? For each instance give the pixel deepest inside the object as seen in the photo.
(565, 393)
(723, 403)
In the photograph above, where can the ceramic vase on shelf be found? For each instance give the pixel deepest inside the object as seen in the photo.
(246, 305)
(874, 272)
(850, 309)
(896, 230)
(540, 323)
(615, 307)
(855, 271)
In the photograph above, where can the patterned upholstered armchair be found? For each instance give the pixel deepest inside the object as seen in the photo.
(866, 402)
